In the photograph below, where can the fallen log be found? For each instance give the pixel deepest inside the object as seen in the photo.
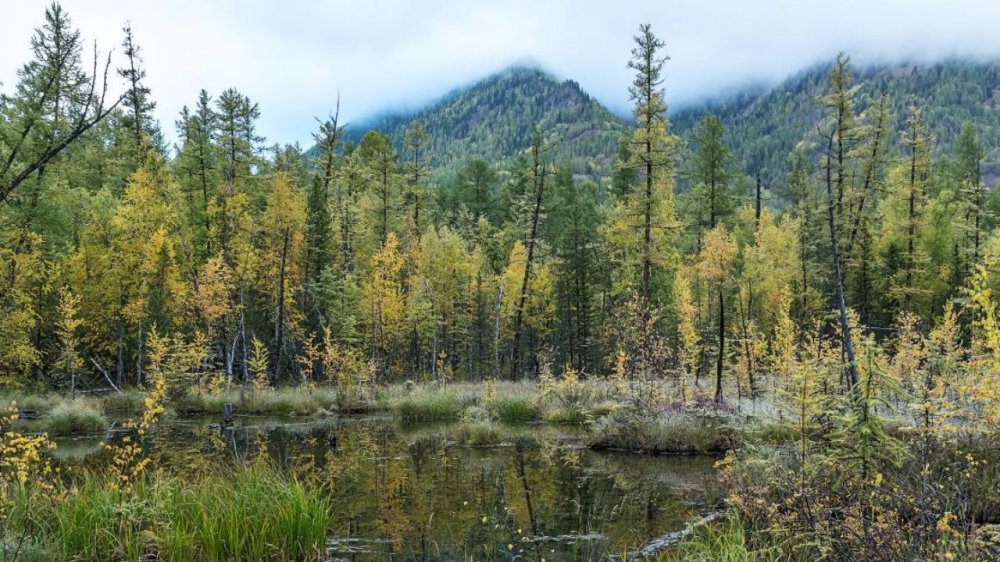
(657, 545)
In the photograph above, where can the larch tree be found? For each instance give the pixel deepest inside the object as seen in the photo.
(56, 101)
(840, 137)
(715, 266)
(139, 107)
(641, 226)
(711, 175)
(538, 165)
(197, 164)
(969, 156)
(417, 172)
(382, 174)
(282, 249)
(651, 112)
(319, 221)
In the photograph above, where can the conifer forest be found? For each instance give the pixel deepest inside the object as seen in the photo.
(511, 324)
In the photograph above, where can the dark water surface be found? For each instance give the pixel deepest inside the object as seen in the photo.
(405, 492)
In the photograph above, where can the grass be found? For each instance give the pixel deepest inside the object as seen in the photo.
(123, 404)
(282, 401)
(253, 512)
(514, 409)
(629, 430)
(73, 417)
(430, 402)
(478, 434)
(727, 542)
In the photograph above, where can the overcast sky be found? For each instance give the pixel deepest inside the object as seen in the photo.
(293, 56)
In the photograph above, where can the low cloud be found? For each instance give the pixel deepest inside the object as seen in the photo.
(294, 57)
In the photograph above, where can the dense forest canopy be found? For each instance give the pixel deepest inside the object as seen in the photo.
(554, 251)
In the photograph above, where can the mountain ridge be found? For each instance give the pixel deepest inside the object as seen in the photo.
(492, 118)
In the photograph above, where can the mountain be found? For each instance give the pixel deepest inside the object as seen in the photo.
(493, 120)
(765, 124)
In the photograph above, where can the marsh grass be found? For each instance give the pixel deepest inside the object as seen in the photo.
(478, 434)
(281, 401)
(123, 404)
(73, 417)
(431, 402)
(514, 409)
(629, 430)
(727, 542)
(253, 512)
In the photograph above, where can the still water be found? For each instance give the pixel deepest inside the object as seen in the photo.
(405, 492)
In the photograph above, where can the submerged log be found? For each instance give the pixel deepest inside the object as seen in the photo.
(657, 545)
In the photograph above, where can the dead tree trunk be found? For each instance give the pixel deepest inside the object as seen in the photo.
(838, 279)
(515, 359)
(279, 323)
(722, 347)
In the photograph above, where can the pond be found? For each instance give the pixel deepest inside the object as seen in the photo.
(406, 492)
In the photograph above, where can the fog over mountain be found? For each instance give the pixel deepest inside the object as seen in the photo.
(294, 57)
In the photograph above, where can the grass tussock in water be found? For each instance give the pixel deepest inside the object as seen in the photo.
(514, 409)
(628, 429)
(247, 513)
(73, 417)
(432, 402)
(281, 401)
(125, 403)
(479, 434)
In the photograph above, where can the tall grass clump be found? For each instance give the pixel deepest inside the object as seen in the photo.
(629, 429)
(74, 417)
(127, 403)
(252, 512)
(434, 404)
(282, 401)
(514, 409)
(724, 543)
(478, 434)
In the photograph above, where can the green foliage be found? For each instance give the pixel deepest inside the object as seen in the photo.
(494, 119)
(767, 124)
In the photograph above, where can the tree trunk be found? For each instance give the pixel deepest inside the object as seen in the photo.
(845, 324)
(722, 347)
(280, 320)
(515, 359)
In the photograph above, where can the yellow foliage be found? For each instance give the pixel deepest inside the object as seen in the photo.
(383, 296)
(23, 465)
(127, 460)
(717, 256)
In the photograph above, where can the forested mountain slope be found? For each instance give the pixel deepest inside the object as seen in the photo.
(765, 125)
(494, 119)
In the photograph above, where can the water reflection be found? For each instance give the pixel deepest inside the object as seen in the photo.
(407, 493)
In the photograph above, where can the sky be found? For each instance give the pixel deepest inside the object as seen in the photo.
(295, 56)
